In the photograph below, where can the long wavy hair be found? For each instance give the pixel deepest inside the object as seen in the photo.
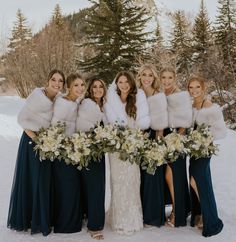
(90, 94)
(155, 84)
(130, 107)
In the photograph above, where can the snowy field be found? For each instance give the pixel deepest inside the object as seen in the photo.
(223, 173)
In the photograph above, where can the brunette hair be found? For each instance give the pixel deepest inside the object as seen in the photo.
(130, 107)
(54, 71)
(89, 92)
(72, 77)
(152, 68)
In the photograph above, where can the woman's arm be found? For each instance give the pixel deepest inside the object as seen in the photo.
(30, 133)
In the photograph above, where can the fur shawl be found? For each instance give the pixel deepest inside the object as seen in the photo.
(37, 111)
(89, 115)
(179, 110)
(158, 111)
(115, 109)
(212, 116)
(65, 111)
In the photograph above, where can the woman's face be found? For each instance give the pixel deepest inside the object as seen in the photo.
(147, 78)
(195, 89)
(168, 80)
(55, 83)
(97, 90)
(123, 85)
(77, 88)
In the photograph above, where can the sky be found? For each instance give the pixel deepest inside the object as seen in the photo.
(39, 12)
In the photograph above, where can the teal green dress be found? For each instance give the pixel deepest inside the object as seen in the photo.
(31, 196)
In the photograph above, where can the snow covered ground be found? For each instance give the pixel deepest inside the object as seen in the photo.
(223, 173)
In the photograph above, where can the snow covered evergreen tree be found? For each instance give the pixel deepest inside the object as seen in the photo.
(225, 32)
(116, 33)
(21, 33)
(181, 42)
(202, 37)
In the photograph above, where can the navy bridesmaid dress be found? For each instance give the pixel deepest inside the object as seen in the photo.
(68, 208)
(31, 195)
(93, 186)
(181, 190)
(152, 194)
(199, 169)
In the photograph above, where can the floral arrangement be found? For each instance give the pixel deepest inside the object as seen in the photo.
(199, 142)
(154, 156)
(175, 144)
(104, 139)
(49, 141)
(133, 144)
(77, 150)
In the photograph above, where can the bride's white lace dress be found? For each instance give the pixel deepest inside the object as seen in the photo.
(125, 213)
(125, 209)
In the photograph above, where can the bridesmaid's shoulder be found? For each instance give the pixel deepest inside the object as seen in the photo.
(207, 104)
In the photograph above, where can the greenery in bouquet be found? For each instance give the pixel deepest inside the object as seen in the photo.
(49, 141)
(76, 150)
(104, 139)
(199, 142)
(133, 144)
(175, 144)
(154, 156)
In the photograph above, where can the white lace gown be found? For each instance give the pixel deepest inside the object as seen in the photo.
(125, 213)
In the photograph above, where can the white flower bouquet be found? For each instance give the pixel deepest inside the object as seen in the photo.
(49, 141)
(76, 149)
(133, 144)
(154, 156)
(104, 139)
(199, 142)
(175, 144)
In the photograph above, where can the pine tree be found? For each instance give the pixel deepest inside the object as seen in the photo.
(225, 32)
(57, 17)
(21, 33)
(159, 37)
(181, 42)
(116, 34)
(202, 37)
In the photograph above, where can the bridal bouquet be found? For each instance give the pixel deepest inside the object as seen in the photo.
(49, 141)
(104, 139)
(76, 149)
(200, 142)
(133, 145)
(175, 144)
(154, 156)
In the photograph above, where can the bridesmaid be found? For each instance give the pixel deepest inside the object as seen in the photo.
(30, 203)
(68, 214)
(152, 186)
(90, 114)
(203, 204)
(179, 117)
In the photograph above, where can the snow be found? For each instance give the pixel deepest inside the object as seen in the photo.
(223, 173)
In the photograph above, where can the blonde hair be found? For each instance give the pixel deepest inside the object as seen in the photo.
(152, 68)
(169, 69)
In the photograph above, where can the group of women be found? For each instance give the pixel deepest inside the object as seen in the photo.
(52, 194)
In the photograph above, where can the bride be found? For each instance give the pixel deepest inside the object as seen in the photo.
(126, 105)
